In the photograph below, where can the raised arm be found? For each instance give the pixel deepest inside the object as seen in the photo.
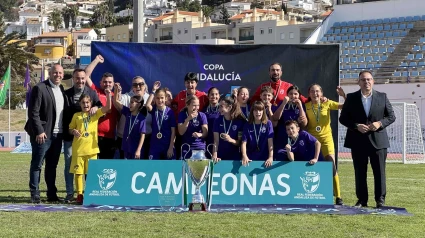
(155, 87)
(117, 96)
(108, 106)
(279, 111)
(90, 68)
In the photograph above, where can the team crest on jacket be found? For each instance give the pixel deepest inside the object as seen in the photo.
(263, 130)
(234, 127)
(281, 91)
(301, 143)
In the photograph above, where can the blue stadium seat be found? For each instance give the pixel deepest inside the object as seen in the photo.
(422, 73)
(324, 39)
(390, 42)
(347, 76)
(388, 34)
(402, 26)
(330, 31)
(378, 21)
(372, 28)
(358, 30)
(397, 41)
(373, 36)
(344, 37)
(361, 59)
(367, 51)
(347, 66)
(387, 27)
(409, 18)
(375, 50)
(404, 64)
(366, 36)
(344, 31)
(369, 66)
(422, 40)
(386, 20)
(414, 73)
(360, 44)
(413, 64)
(340, 60)
(345, 44)
(416, 48)
(336, 24)
(346, 60)
(416, 18)
(410, 26)
(403, 33)
(380, 28)
(350, 23)
(359, 37)
(374, 43)
(421, 64)
(410, 56)
(394, 27)
(423, 18)
(364, 22)
(382, 42)
(353, 59)
(352, 51)
(354, 66)
(369, 59)
(357, 23)
(419, 56)
(376, 58)
(360, 51)
(372, 22)
(382, 50)
(405, 74)
(362, 66)
(350, 30)
(384, 58)
(396, 34)
(345, 52)
(338, 38)
(366, 43)
(401, 19)
(351, 37)
(394, 20)
(390, 49)
(377, 65)
(397, 74)
(352, 44)
(343, 24)
(337, 31)
(423, 48)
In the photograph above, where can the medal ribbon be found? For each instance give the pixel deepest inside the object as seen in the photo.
(277, 91)
(316, 113)
(290, 141)
(130, 126)
(257, 138)
(159, 123)
(209, 108)
(224, 125)
(86, 121)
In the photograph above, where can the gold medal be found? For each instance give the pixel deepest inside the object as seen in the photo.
(318, 128)
(223, 136)
(159, 135)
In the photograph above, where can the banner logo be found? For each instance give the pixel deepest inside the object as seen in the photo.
(210, 74)
(310, 181)
(107, 179)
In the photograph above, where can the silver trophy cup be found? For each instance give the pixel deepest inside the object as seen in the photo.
(198, 169)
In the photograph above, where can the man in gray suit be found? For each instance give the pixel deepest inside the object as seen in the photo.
(366, 113)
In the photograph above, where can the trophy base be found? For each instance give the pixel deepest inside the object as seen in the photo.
(197, 207)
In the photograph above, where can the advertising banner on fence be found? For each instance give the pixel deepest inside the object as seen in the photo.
(159, 183)
(15, 137)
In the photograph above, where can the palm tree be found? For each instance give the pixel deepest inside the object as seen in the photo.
(55, 19)
(66, 16)
(73, 14)
(208, 11)
(12, 49)
(102, 16)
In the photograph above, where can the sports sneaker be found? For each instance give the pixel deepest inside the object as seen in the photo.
(79, 199)
(338, 201)
(69, 198)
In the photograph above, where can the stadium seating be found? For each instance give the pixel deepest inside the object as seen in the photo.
(369, 44)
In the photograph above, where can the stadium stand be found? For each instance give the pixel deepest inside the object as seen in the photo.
(393, 48)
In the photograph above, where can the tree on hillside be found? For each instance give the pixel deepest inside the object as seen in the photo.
(225, 15)
(55, 19)
(73, 13)
(102, 16)
(66, 16)
(194, 6)
(207, 10)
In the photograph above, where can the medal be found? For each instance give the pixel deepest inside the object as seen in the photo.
(223, 135)
(277, 92)
(159, 122)
(130, 126)
(317, 115)
(86, 121)
(246, 114)
(257, 138)
(210, 109)
(290, 141)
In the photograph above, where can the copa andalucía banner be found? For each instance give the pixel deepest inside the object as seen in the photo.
(159, 183)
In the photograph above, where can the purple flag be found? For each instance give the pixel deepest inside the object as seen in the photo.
(27, 85)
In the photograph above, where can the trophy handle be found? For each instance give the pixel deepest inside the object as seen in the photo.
(214, 147)
(181, 149)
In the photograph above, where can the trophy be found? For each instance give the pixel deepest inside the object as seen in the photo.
(198, 166)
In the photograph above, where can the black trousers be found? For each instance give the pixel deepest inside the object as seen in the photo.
(377, 158)
(107, 147)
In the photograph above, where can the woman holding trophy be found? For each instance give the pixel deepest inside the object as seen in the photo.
(193, 127)
(257, 137)
(228, 130)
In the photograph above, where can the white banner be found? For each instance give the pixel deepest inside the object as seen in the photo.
(16, 138)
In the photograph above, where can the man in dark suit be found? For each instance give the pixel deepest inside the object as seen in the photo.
(44, 126)
(72, 106)
(366, 113)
